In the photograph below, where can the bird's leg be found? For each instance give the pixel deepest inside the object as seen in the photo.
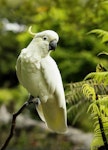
(35, 100)
(30, 98)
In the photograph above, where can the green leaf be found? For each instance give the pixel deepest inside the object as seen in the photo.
(100, 77)
(101, 33)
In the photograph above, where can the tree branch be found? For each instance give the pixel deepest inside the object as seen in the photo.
(13, 123)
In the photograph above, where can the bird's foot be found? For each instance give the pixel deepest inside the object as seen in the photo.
(34, 100)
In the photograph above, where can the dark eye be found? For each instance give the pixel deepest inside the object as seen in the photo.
(45, 38)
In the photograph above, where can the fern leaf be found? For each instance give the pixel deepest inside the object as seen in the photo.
(78, 103)
(99, 109)
(75, 111)
(94, 109)
(103, 53)
(100, 67)
(89, 91)
(100, 77)
(98, 139)
(100, 118)
(74, 91)
(101, 33)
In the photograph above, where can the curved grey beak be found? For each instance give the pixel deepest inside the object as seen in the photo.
(53, 45)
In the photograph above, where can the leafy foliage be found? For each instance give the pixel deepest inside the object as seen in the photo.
(98, 109)
(94, 92)
(101, 33)
(77, 101)
(100, 77)
(92, 95)
(101, 74)
(76, 55)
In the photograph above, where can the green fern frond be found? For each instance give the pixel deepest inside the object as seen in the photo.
(98, 139)
(74, 91)
(99, 110)
(94, 109)
(100, 67)
(101, 33)
(75, 111)
(77, 103)
(100, 129)
(100, 77)
(89, 91)
(75, 98)
(103, 100)
(97, 142)
(103, 53)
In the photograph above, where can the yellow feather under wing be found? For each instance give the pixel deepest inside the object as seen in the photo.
(54, 116)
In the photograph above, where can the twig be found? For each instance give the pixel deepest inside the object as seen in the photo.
(13, 124)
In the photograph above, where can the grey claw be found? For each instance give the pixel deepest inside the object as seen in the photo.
(35, 100)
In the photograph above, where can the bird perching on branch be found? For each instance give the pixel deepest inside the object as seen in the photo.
(38, 73)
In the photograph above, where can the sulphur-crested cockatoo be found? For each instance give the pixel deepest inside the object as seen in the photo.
(39, 74)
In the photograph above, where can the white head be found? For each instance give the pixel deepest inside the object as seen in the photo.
(49, 37)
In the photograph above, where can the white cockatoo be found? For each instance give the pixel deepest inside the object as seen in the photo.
(39, 74)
